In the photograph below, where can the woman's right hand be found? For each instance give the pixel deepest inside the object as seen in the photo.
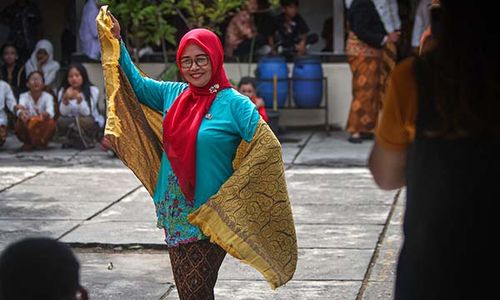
(68, 94)
(115, 30)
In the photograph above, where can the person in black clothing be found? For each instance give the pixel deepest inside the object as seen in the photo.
(439, 136)
(24, 19)
(12, 71)
(327, 35)
(292, 30)
(40, 268)
(264, 21)
(365, 52)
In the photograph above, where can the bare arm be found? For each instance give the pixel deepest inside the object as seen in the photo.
(387, 167)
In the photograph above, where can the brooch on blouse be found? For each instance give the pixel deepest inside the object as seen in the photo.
(214, 88)
(208, 116)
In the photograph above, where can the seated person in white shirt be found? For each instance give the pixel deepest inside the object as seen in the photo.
(80, 122)
(7, 102)
(35, 125)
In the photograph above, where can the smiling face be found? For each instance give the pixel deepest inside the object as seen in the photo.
(196, 67)
(35, 82)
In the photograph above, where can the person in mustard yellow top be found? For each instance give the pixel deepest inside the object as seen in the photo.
(438, 134)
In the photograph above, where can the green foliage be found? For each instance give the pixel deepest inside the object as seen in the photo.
(170, 73)
(275, 3)
(144, 21)
(206, 14)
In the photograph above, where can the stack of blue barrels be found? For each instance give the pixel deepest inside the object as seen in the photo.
(267, 68)
(307, 82)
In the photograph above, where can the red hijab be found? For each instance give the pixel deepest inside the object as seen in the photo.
(183, 120)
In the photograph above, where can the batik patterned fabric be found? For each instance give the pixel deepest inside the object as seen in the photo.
(37, 132)
(366, 67)
(262, 234)
(251, 217)
(196, 267)
(366, 85)
(172, 214)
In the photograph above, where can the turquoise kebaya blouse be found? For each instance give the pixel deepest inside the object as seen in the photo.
(231, 117)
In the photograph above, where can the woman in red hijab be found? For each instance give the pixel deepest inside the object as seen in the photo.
(204, 121)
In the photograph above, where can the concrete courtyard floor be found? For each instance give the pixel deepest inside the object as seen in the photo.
(349, 231)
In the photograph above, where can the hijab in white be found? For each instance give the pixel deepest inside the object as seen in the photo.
(50, 68)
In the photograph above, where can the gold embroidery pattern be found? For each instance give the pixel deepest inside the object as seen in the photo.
(255, 211)
(250, 217)
(140, 148)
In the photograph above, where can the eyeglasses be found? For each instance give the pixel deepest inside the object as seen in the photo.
(201, 60)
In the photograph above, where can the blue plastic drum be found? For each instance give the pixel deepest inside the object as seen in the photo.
(266, 69)
(307, 82)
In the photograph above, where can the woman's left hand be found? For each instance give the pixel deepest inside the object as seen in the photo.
(116, 29)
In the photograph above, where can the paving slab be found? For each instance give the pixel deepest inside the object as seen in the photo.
(133, 276)
(11, 144)
(292, 143)
(116, 233)
(65, 193)
(49, 210)
(85, 177)
(321, 178)
(399, 210)
(13, 230)
(384, 269)
(340, 214)
(9, 176)
(312, 264)
(104, 232)
(96, 156)
(338, 236)
(293, 290)
(289, 152)
(393, 238)
(137, 206)
(379, 291)
(53, 153)
(334, 150)
(301, 193)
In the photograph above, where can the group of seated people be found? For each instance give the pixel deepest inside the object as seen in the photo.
(255, 27)
(37, 109)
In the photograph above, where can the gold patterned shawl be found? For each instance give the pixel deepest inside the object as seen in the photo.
(250, 216)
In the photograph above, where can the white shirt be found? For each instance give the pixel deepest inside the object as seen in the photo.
(422, 21)
(73, 109)
(388, 11)
(44, 104)
(7, 101)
